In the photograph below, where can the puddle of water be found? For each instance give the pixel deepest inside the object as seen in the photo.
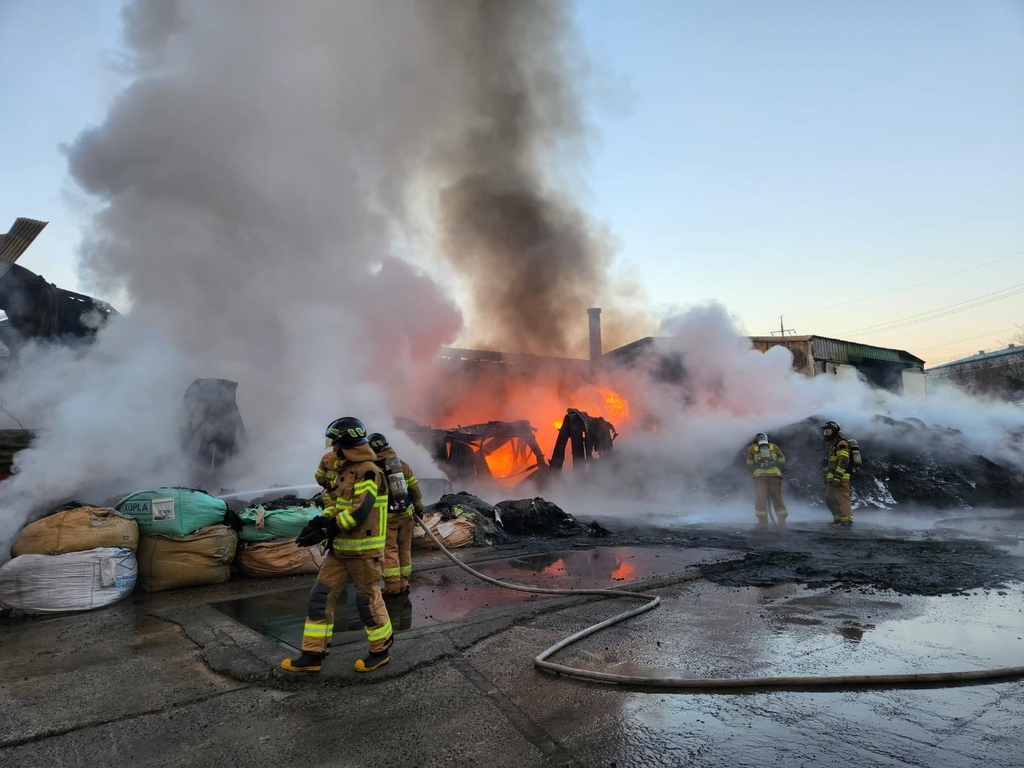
(447, 594)
(755, 631)
(977, 726)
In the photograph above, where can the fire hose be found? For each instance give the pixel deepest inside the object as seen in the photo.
(704, 685)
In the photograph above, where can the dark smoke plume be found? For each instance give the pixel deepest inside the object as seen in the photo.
(533, 259)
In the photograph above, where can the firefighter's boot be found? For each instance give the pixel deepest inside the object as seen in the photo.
(373, 661)
(307, 662)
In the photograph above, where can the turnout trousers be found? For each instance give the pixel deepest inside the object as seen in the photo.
(398, 554)
(837, 499)
(767, 489)
(332, 581)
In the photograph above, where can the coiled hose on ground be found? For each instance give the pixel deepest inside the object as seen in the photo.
(706, 685)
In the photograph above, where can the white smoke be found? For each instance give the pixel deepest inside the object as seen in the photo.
(255, 180)
(728, 392)
(108, 417)
(240, 174)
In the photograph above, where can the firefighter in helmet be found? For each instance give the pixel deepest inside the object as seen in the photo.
(767, 462)
(326, 476)
(355, 526)
(401, 504)
(837, 474)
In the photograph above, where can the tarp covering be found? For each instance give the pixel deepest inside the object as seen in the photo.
(466, 506)
(536, 516)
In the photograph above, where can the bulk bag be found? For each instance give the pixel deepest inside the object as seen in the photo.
(262, 524)
(173, 511)
(453, 533)
(279, 558)
(176, 562)
(76, 581)
(77, 530)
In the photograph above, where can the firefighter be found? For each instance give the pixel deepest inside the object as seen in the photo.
(837, 475)
(767, 462)
(326, 476)
(398, 550)
(355, 526)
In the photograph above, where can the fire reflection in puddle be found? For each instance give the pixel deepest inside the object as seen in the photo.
(448, 594)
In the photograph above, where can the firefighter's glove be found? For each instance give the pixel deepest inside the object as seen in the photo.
(316, 530)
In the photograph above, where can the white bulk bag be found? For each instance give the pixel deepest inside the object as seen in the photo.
(77, 581)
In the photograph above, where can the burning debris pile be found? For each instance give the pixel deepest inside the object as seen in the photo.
(508, 451)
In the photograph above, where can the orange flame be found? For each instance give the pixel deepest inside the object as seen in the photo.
(616, 408)
(501, 461)
(541, 400)
(612, 406)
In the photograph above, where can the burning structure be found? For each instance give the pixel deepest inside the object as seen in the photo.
(571, 403)
(582, 405)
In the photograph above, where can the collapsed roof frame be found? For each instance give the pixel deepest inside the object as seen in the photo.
(466, 448)
(36, 308)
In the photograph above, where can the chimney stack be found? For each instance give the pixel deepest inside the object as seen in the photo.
(595, 333)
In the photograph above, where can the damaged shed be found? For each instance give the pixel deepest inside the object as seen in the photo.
(894, 370)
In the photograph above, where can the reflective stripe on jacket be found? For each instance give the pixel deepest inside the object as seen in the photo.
(837, 467)
(767, 463)
(326, 476)
(359, 478)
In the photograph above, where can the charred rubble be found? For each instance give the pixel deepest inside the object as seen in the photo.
(464, 451)
(906, 464)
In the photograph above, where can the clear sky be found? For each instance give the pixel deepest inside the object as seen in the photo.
(778, 157)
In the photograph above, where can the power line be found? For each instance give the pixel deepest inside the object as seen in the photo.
(935, 314)
(971, 338)
(940, 310)
(906, 287)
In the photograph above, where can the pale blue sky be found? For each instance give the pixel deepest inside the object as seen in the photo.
(775, 156)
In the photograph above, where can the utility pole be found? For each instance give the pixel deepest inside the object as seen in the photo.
(783, 330)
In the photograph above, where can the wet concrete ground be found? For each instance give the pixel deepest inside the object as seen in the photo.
(447, 594)
(170, 680)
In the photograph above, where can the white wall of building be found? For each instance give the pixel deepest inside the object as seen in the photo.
(913, 383)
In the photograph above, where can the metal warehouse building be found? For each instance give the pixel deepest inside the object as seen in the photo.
(999, 373)
(893, 369)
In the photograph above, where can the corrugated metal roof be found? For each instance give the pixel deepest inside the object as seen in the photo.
(1013, 349)
(20, 237)
(839, 351)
